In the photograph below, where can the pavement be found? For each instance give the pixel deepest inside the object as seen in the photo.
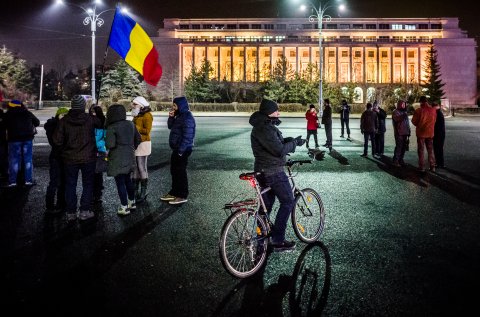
(396, 243)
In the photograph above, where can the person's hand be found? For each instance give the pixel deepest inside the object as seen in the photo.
(171, 113)
(361, 131)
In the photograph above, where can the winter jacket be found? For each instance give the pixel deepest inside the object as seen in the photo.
(424, 121)
(312, 120)
(368, 122)
(20, 124)
(327, 115)
(75, 135)
(401, 124)
(100, 135)
(268, 145)
(3, 131)
(121, 141)
(50, 126)
(381, 116)
(143, 122)
(439, 126)
(345, 112)
(182, 129)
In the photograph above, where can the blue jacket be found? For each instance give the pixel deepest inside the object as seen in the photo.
(100, 139)
(182, 127)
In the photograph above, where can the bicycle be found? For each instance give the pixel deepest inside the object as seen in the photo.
(245, 233)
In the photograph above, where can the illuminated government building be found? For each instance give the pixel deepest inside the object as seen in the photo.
(368, 51)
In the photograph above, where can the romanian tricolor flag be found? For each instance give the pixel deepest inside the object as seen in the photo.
(133, 44)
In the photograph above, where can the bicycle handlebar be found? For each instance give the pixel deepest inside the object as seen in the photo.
(290, 163)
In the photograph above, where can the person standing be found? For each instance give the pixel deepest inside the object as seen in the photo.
(312, 124)
(380, 134)
(3, 144)
(270, 150)
(424, 121)
(439, 137)
(75, 134)
(345, 118)
(20, 126)
(56, 185)
(401, 132)
(100, 134)
(368, 127)
(327, 122)
(143, 120)
(121, 141)
(182, 134)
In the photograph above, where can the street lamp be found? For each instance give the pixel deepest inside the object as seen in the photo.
(93, 18)
(319, 17)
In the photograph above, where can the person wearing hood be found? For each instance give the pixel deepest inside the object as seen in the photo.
(20, 127)
(121, 141)
(75, 135)
(270, 150)
(56, 185)
(181, 140)
(143, 120)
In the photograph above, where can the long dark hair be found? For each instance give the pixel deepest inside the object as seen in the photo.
(99, 113)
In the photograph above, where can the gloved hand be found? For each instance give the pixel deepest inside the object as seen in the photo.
(287, 139)
(300, 141)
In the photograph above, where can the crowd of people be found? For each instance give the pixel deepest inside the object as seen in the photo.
(96, 144)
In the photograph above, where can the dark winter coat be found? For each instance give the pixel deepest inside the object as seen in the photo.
(121, 141)
(3, 131)
(381, 116)
(368, 122)
(75, 135)
(439, 130)
(20, 124)
(50, 127)
(182, 129)
(345, 111)
(327, 115)
(401, 123)
(268, 145)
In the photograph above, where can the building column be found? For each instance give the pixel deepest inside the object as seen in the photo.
(391, 64)
(377, 69)
(257, 61)
(350, 69)
(231, 63)
(364, 65)
(405, 64)
(244, 63)
(419, 66)
(218, 63)
(336, 64)
(296, 60)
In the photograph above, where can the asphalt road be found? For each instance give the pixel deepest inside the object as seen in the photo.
(396, 242)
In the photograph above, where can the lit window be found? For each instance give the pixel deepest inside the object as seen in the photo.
(344, 53)
(410, 26)
(397, 26)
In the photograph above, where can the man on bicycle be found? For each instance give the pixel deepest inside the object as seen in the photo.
(270, 150)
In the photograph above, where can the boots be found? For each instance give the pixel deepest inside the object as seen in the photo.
(137, 189)
(143, 191)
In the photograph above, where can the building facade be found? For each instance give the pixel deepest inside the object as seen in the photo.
(367, 51)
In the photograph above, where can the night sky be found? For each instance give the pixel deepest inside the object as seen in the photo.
(57, 38)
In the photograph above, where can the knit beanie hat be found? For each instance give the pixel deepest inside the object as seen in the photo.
(14, 103)
(78, 103)
(61, 110)
(141, 101)
(268, 107)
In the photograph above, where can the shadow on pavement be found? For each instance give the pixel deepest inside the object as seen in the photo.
(339, 157)
(307, 289)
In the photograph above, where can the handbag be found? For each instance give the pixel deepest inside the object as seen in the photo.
(101, 163)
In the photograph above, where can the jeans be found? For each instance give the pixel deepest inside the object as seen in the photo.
(125, 188)
(345, 122)
(366, 136)
(19, 152)
(71, 177)
(314, 133)
(178, 170)
(280, 188)
(56, 186)
(421, 144)
(379, 143)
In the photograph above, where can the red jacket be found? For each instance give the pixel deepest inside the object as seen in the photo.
(424, 119)
(312, 120)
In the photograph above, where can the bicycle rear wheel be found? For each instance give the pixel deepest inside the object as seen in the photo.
(243, 243)
(308, 217)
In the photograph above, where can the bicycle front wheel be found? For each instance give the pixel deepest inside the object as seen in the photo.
(243, 243)
(308, 217)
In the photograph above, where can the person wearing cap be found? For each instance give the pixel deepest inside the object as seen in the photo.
(56, 185)
(424, 120)
(143, 120)
(327, 122)
(20, 125)
(345, 118)
(270, 149)
(75, 135)
(181, 140)
(312, 124)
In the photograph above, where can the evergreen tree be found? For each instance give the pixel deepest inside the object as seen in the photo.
(198, 85)
(433, 83)
(15, 77)
(121, 82)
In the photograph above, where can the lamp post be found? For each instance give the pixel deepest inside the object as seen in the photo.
(319, 17)
(93, 18)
